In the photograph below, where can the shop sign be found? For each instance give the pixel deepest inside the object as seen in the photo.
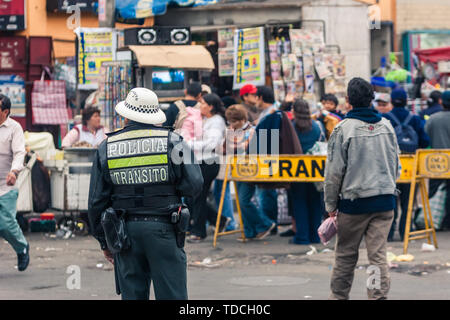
(12, 15)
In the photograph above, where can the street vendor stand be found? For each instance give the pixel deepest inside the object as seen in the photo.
(70, 178)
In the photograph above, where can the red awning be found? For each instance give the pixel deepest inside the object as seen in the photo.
(433, 55)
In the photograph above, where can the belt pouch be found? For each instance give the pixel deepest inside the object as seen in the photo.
(113, 223)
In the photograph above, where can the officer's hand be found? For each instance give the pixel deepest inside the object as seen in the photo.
(109, 256)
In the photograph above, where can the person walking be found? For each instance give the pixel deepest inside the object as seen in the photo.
(361, 170)
(248, 96)
(267, 198)
(12, 154)
(438, 129)
(401, 118)
(306, 200)
(434, 103)
(213, 128)
(144, 170)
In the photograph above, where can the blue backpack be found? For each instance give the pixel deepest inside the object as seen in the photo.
(407, 137)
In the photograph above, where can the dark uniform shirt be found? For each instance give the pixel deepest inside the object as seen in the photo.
(184, 173)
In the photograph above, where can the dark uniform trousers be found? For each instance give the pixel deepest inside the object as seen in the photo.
(154, 255)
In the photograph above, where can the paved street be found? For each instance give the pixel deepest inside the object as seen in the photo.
(262, 270)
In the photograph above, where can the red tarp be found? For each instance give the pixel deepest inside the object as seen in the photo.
(433, 55)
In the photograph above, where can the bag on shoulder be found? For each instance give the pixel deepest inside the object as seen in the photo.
(407, 137)
(182, 113)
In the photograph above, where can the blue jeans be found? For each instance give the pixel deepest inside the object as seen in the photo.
(255, 221)
(308, 211)
(9, 228)
(227, 210)
(268, 202)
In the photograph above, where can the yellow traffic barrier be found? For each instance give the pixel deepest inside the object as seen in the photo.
(428, 164)
(284, 168)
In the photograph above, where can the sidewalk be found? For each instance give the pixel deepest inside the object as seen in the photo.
(270, 269)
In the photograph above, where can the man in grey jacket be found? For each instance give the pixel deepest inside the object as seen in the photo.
(360, 183)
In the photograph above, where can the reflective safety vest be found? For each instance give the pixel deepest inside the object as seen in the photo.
(138, 164)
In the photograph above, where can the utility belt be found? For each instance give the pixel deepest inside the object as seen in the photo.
(114, 225)
(148, 217)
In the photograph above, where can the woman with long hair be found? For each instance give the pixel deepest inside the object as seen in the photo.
(213, 132)
(307, 201)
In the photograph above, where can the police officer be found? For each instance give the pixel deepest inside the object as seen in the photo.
(143, 170)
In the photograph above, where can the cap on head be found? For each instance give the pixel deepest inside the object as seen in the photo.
(141, 105)
(384, 97)
(248, 88)
(206, 89)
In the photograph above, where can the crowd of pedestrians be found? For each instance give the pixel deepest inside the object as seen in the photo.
(237, 125)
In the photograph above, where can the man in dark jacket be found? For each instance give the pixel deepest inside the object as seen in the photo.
(399, 100)
(141, 170)
(434, 105)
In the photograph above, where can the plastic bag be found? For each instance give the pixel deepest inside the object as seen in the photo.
(327, 229)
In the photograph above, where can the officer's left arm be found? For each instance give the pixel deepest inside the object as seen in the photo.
(99, 194)
(186, 169)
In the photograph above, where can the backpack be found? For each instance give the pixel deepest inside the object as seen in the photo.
(407, 137)
(192, 125)
(182, 113)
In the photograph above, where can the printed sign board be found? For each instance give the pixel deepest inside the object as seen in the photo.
(303, 168)
(12, 15)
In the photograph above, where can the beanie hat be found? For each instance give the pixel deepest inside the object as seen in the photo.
(399, 96)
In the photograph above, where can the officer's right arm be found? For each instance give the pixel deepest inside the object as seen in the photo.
(99, 195)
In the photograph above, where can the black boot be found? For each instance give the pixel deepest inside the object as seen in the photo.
(23, 259)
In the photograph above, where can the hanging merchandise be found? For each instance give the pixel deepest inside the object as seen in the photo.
(321, 66)
(288, 65)
(113, 88)
(225, 38)
(336, 64)
(95, 45)
(68, 74)
(296, 41)
(279, 90)
(48, 102)
(13, 87)
(275, 61)
(335, 86)
(249, 57)
(308, 71)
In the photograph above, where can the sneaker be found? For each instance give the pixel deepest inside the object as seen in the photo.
(23, 259)
(194, 239)
(240, 239)
(274, 231)
(264, 234)
(287, 233)
(223, 227)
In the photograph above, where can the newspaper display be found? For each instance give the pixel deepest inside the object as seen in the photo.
(95, 46)
(225, 39)
(249, 66)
